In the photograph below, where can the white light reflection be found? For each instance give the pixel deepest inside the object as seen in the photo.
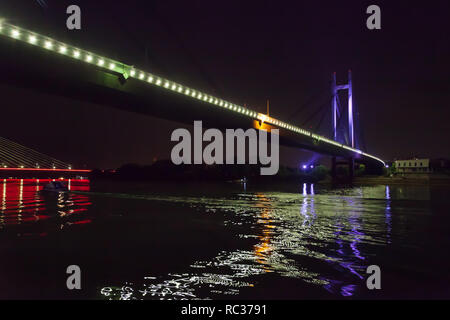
(388, 216)
(329, 229)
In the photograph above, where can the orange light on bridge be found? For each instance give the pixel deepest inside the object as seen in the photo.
(261, 125)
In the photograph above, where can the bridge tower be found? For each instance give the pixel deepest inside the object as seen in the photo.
(336, 113)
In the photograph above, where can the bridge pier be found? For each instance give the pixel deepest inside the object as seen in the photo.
(351, 169)
(333, 168)
(350, 162)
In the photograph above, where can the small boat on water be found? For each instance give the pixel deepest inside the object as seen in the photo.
(55, 186)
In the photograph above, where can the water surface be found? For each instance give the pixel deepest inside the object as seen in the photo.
(223, 241)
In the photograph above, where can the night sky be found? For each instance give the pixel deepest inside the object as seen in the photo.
(247, 52)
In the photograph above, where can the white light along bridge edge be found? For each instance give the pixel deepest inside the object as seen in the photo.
(35, 39)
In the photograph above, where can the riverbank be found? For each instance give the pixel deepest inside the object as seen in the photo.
(431, 179)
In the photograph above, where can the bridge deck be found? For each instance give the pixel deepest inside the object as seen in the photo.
(36, 61)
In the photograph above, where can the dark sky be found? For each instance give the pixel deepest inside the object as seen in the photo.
(247, 52)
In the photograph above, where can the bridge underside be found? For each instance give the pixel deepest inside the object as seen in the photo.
(43, 70)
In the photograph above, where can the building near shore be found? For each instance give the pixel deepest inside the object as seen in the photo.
(413, 166)
(424, 165)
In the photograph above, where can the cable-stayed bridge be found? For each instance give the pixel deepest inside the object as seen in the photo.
(37, 61)
(15, 157)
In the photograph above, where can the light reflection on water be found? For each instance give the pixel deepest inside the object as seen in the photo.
(231, 242)
(23, 202)
(331, 229)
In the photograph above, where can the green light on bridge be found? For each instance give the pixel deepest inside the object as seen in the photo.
(48, 44)
(32, 39)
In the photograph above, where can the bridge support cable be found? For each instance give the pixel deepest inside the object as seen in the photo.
(324, 113)
(317, 111)
(360, 142)
(18, 153)
(14, 155)
(308, 103)
(190, 56)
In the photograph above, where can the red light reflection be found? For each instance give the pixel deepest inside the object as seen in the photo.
(23, 202)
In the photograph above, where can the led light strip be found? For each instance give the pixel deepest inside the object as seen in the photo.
(42, 169)
(47, 43)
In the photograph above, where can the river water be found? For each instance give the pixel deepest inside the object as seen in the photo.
(223, 241)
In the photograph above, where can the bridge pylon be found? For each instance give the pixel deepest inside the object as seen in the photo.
(336, 113)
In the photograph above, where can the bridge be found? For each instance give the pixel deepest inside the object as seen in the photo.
(40, 62)
(16, 159)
